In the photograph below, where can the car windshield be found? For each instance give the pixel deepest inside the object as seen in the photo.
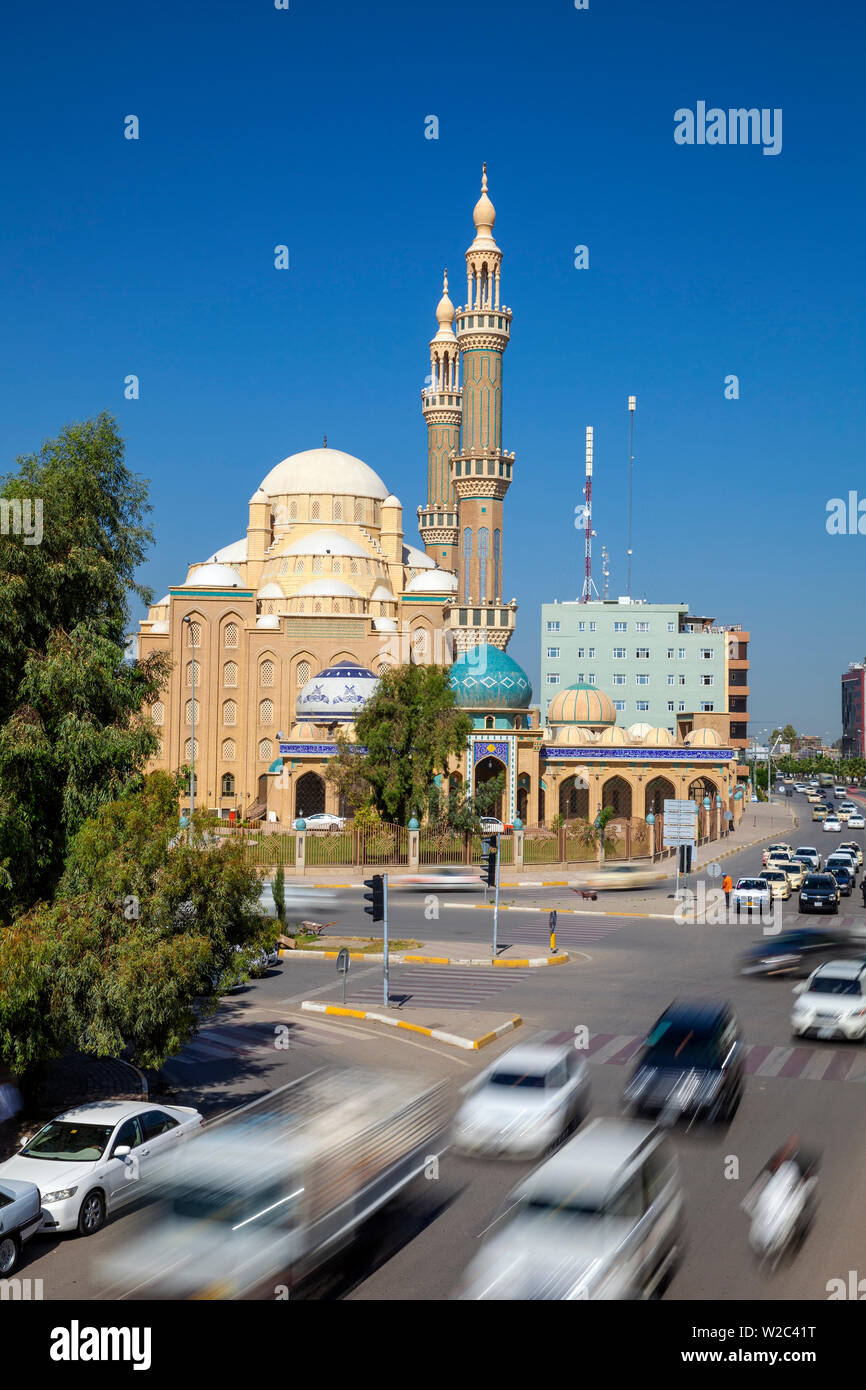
(531, 1080)
(69, 1143)
(833, 984)
(816, 881)
(676, 1045)
(236, 1203)
(773, 877)
(574, 1204)
(751, 883)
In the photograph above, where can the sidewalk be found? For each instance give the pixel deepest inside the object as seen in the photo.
(466, 1029)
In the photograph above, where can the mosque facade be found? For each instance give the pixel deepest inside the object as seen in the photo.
(277, 639)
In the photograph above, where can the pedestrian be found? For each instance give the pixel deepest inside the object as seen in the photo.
(727, 886)
(863, 890)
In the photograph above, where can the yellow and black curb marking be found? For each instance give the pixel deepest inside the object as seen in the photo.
(438, 1034)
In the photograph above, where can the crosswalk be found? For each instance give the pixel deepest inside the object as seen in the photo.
(790, 1063)
(451, 987)
(221, 1044)
(570, 931)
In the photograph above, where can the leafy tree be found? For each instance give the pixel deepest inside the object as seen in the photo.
(789, 734)
(410, 727)
(345, 771)
(72, 733)
(279, 892)
(457, 811)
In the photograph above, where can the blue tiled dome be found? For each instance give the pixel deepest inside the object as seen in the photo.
(338, 692)
(487, 678)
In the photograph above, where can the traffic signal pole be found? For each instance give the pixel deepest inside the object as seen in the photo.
(496, 908)
(386, 981)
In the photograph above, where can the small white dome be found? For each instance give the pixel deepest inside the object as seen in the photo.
(230, 554)
(417, 559)
(384, 624)
(433, 581)
(638, 732)
(333, 588)
(702, 738)
(383, 593)
(270, 620)
(159, 627)
(212, 576)
(270, 591)
(327, 471)
(162, 602)
(259, 496)
(325, 543)
(392, 501)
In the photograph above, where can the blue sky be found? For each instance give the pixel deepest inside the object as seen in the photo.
(306, 127)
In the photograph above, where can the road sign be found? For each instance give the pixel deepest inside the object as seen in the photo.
(343, 963)
(679, 823)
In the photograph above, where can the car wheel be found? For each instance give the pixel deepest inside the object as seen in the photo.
(10, 1253)
(91, 1216)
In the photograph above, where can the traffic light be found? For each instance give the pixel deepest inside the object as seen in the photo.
(489, 874)
(376, 897)
(685, 859)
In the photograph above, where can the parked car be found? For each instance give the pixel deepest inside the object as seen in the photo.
(491, 826)
(777, 881)
(832, 1002)
(530, 1099)
(790, 951)
(809, 853)
(603, 1219)
(90, 1161)
(321, 820)
(20, 1218)
(785, 850)
(820, 893)
(751, 895)
(692, 1064)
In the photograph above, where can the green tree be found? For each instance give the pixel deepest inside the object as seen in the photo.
(279, 892)
(410, 728)
(72, 734)
(789, 734)
(455, 810)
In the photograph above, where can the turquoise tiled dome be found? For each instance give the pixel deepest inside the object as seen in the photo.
(487, 678)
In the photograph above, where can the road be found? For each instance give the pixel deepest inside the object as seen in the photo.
(625, 970)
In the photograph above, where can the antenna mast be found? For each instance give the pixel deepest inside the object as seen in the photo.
(588, 586)
(632, 406)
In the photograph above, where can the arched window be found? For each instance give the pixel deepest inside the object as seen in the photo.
(337, 565)
(266, 749)
(293, 510)
(338, 509)
(229, 750)
(266, 673)
(189, 711)
(231, 635)
(157, 713)
(497, 552)
(483, 554)
(467, 560)
(284, 567)
(230, 675)
(194, 637)
(266, 712)
(317, 605)
(314, 509)
(190, 752)
(228, 784)
(299, 567)
(193, 670)
(353, 565)
(302, 674)
(230, 714)
(317, 564)
(488, 722)
(359, 510)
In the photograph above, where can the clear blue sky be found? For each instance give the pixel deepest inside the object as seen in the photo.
(306, 127)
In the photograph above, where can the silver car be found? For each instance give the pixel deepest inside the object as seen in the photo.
(20, 1218)
(602, 1219)
(525, 1103)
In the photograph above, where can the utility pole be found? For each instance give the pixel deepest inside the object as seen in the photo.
(632, 407)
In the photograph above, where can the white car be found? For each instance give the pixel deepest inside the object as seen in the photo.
(752, 895)
(322, 820)
(809, 852)
(840, 791)
(832, 1002)
(617, 876)
(833, 824)
(20, 1218)
(525, 1103)
(441, 879)
(855, 849)
(491, 826)
(785, 851)
(856, 821)
(91, 1161)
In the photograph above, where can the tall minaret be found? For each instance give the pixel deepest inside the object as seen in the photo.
(481, 471)
(441, 405)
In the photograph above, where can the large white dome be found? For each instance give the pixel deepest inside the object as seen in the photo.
(417, 559)
(433, 582)
(325, 543)
(324, 471)
(237, 550)
(334, 588)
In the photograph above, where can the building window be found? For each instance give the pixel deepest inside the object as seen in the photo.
(314, 509)
(190, 751)
(293, 510)
(337, 565)
(266, 673)
(229, 750)
(670, 653)
(194, 638)
(302, 673)
(266, 712)
(581, 652)
(671, 627)
(672, 680)
(682, 653)
(707, 653)
(230, 714)
(483, 556)
(671, 706)
(553, 678)
(338, 509)
(497, 551)
(681, 704)
(266, 750)
(681, 680)
(619, 678)
(359, 510)
(228, 784)
(467, 559)
(231, 635)
(642, 705)
(190, 711)
(642, 653)
(581, 627)
(593, 627)
(592, 653)
(193, 672)
(707, 706)
(230, 675)
(553, 653)
(317, 564)
(619, 653)
(642, 680)
(157, 713)
(641, 627)
(708, 680)
(620, 627)
(488, 722)
(590, 680)
(619, 706)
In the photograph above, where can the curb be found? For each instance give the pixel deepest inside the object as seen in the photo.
(438, 1034)
(561, 958)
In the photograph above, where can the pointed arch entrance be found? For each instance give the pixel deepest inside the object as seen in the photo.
(485, 770)
(309, 794)
(616, 793)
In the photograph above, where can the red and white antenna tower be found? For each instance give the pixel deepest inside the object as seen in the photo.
(588, 586)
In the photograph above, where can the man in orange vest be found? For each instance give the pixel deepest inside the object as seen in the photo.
(727, 887)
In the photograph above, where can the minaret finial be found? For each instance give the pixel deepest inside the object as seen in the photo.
(484, 176)
(445, 280)
(325, 442)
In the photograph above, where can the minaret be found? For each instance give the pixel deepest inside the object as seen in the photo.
(441, 406)
(481, 471)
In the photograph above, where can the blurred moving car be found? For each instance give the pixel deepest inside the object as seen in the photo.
(820, 893)
(321, 820)
(526, 1102)
(785, 850)
(692, 1064)
(20, 1218)
(751, 895)
(90, 1161)
(853, 846)
(602, 1219)
(442, 880)
(777, 881)
(490, 825)
(790, 951)
(832, 1002)
(618, 877)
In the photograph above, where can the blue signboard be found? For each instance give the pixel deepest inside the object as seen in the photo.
(552, 754)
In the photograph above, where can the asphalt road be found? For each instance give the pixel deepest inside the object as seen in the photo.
(622, 976)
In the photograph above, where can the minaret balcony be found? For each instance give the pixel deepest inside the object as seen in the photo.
(471, 624)
(484, 321)
(434, 398)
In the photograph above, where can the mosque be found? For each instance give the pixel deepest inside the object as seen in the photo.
(277, 639)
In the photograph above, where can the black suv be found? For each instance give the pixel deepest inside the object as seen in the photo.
(692, 1064)
(819, 893)
(791, 951)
